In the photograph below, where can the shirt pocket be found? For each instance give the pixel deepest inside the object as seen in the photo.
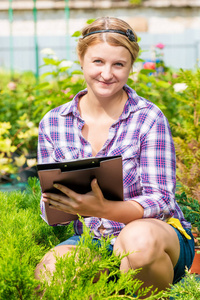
(131, 167)
(65, 153)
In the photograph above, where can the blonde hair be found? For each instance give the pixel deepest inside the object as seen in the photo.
(114, 39)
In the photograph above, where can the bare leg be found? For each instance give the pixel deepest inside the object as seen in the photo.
(49, 260)
(156, 250)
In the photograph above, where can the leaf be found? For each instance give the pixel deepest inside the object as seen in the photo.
(129, 81)
(51, 61)
(42, 86)
(77, 72)
(64, 69)
(144, 86)
(163, 84)
(90, 21)
(76, 34)
(140, 60)
(147, 71)
(45, 75)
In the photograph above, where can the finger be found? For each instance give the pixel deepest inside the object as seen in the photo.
(56, 197)
(96, 189)
(65, 190)
(59, 206)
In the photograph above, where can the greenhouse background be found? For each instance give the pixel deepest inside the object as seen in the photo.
(28, 26)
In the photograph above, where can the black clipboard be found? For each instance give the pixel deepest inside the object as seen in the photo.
(77, 175)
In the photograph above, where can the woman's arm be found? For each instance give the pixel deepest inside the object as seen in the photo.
(94, 204)
(45, 146)
(158, 171)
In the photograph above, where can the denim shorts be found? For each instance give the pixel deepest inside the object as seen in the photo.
(185, 258)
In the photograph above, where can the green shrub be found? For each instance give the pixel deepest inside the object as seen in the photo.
(25, 238)
(57, 86)
(186, 131)
(178, 96)
(191, 210)
(18, 134)
(23, 102)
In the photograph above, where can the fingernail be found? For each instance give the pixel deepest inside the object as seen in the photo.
(55, 185)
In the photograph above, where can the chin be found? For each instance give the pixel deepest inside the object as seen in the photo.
(107, 91)
(104, 95)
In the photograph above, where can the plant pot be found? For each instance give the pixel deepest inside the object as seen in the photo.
(195, 268)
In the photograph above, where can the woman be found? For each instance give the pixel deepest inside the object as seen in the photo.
(109, 118)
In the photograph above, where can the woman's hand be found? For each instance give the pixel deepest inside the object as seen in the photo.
(90, 204)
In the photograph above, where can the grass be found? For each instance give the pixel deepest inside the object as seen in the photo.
(25, 238)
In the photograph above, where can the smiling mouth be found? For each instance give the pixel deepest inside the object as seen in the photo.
(106, 83)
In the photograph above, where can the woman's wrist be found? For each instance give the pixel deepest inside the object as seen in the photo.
(122, 211)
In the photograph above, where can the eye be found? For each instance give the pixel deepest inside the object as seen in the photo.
(119, 64)
(97, 61)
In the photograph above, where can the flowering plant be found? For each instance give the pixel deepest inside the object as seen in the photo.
(160, 46)
(186, 131)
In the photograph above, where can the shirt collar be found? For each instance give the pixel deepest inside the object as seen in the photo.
(133, 104)
(72, 106)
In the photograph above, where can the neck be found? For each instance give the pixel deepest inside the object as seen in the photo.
(112, 107)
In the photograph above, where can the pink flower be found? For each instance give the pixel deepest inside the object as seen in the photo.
(12, 86)
(71, 96)
(149, 65)
(160, 46)
(174, 75)
(66, 91)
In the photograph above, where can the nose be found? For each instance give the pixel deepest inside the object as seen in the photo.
(106, 72)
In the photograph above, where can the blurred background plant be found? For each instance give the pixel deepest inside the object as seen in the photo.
(186, 131)
(177, 94)
(56, 86)
(23, 102)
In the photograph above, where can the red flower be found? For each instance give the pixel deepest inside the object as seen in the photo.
(160, 46)
(149, 65)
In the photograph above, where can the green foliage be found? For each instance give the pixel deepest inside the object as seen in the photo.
(187, 289)
(191, 209)
(25, 238)
(57, 86)
(15, 144)
(18, 134)
(76, 275)
(156, 88)
(6, 148)
(186, 130)
(178, 96)
(23, 102)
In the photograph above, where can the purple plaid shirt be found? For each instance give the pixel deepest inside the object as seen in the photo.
(141, 136)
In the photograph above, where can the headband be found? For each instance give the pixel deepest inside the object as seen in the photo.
(129, 33)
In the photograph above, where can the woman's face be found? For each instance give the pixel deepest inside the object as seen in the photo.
(106, 69)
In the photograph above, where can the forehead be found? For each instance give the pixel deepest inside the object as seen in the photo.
(104, 49)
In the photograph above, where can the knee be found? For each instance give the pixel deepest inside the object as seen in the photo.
(141, 242)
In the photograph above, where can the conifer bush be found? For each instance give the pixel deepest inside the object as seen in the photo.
(25, 238)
